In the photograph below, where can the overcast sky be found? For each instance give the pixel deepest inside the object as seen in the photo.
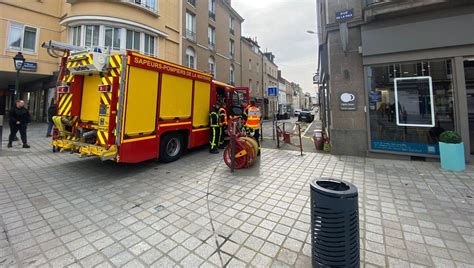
(280, 27)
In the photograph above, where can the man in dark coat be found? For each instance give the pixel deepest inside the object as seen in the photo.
(19, 119)
(52, 111)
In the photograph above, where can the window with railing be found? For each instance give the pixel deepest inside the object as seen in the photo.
(150, 5)
(190, 26)
(212, 9)
(192, 2)
(231, 48)
(190, 58)
(212, 66)
(231, 25)
(231, 75)
(211, 37)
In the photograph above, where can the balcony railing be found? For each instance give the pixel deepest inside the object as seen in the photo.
(192, 2)
(212, 15)
(191, 35)
(212, 46)
(145, 4)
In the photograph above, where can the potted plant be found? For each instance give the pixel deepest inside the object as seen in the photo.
(451, 151)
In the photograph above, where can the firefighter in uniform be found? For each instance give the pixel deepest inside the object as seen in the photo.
(252, 121)
(222, 125)
(214, 125)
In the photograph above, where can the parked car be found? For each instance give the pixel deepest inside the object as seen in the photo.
(306, 116)
(283, 116)
(297, 112)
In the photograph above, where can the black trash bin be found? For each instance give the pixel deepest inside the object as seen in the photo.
(334, 223)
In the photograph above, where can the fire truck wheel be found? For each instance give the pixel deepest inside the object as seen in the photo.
(171, 147)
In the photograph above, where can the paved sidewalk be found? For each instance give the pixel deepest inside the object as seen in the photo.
(58, 210)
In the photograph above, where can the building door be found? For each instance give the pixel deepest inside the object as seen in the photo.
(469, 74)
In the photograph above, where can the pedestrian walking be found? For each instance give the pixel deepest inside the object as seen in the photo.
(252, 117)
(214, 124)
(52, 111)
(19, 119)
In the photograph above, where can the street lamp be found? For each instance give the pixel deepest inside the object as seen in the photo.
(19, 61)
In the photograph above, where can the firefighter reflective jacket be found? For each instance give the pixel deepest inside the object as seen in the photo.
(213, 118)
(253, 117)
(222, 117)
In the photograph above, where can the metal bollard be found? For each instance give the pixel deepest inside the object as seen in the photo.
(334, 223)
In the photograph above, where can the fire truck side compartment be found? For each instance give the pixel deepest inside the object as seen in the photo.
(141, 95)
(202, 96)
(90, 99)
(176, 96)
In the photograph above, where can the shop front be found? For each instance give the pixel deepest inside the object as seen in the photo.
(409, 105)
(419, 82)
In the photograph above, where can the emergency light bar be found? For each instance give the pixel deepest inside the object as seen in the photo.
(62, 89)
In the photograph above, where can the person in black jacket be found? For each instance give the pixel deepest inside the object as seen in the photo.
(19, 119)
(52, 110)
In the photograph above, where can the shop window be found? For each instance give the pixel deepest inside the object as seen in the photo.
(414, 101)
(410, 105)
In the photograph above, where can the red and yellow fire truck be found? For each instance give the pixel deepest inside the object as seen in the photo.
(131, 107)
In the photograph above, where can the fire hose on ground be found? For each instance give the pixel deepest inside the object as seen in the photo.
(242, 149)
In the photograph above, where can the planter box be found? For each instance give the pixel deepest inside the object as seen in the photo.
(452, 156)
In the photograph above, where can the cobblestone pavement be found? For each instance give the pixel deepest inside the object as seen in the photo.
(58, 210)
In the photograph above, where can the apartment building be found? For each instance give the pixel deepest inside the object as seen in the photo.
(23, 29)
(211, 39)
(149, 26)
(252, 68)
(297, 96)
(270, 79)
(285, 95)
(368, 48)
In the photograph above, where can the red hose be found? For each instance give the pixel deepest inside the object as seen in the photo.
(240, 162)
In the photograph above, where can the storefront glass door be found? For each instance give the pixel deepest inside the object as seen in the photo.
(411, 118)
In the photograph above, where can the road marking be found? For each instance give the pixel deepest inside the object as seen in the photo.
(309, 126)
